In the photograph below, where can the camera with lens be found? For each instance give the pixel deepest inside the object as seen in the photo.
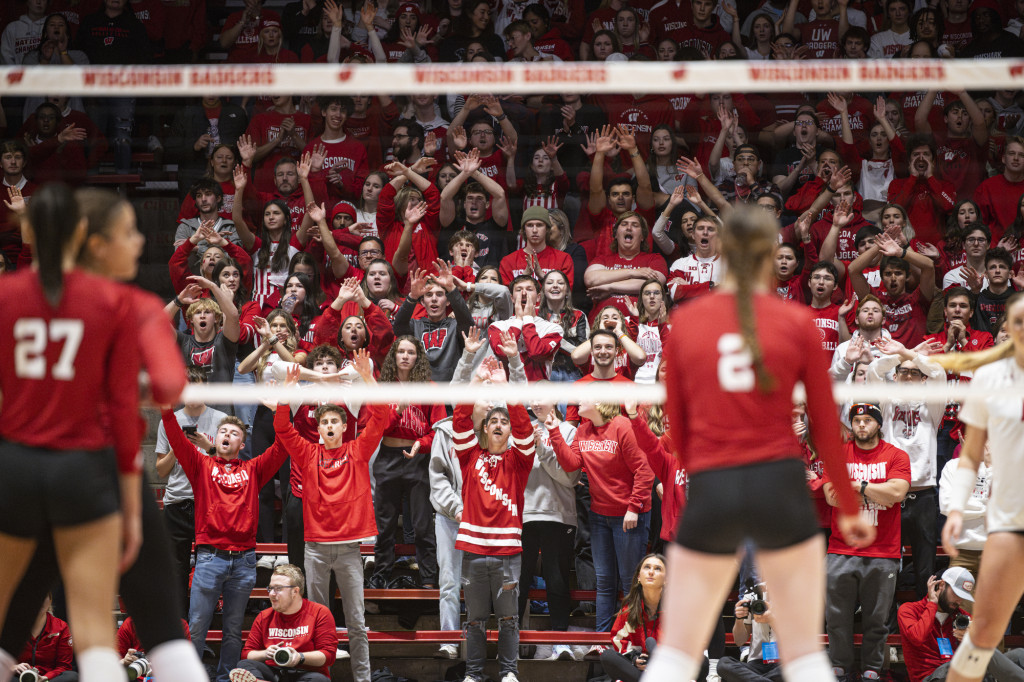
(753, 595)
(31, 675)
(139, 669)
(961, 621)
(284, 656)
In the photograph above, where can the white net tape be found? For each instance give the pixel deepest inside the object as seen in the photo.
(557, 392)
(537, 78)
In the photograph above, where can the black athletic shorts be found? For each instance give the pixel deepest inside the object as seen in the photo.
(766, 502)
(41, 489)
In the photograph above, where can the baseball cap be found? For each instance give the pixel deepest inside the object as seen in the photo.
(868, 409)
(961, 580)
(269, 19)
(408, 8)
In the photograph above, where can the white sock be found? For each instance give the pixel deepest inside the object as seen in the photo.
(176, 661)
(100, 664)
(712, 666)
(814, 667)
(669, 665)
(7, 663)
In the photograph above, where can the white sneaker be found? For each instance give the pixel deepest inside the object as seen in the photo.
(450, 651)
(595, 652)
(281, 560)
(510, 677)
(240, 675)
(562, 652)
(153, 144)
(266, 561)
(713, 677)
(341, 654)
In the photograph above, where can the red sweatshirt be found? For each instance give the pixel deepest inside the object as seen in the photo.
(127, 638)
(226, 491)
(927, 201)
(50, 652)
(620, 479)
(311, 628)
(424, 235)
(549, 259)
(666, 468)
(920, 631)
(493, 486)
(380, 335)
(337, 502)
(538, 342)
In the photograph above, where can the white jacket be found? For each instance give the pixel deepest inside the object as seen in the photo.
(19, 38)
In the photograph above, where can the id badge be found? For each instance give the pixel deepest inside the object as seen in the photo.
(770, 652)
(945, 648)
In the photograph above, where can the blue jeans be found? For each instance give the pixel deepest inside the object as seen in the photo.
(449, 565)
(115, 117)
(616, 555)
(217, 575)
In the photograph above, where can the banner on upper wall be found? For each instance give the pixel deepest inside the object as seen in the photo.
(512, 78)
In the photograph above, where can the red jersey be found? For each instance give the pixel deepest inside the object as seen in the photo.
(710, 373)
(963, 162)
(70, 374)
(50, 652)
(827, 321)
(226, 491)
(997, 198)
(884, 462)
(266, 127)
(667, 470)
(337, 505)
(493, 486)
(620, 479)
(538, 341)
(311, 628)
(927, 201)
(905, 315)
(549, 259)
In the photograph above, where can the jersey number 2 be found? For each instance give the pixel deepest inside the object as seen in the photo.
(735, 365)
(33, 334)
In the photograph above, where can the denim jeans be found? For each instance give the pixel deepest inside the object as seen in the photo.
(449, 565)
(115, 117)
(491, 585)
(344, 560)
(216, 576)
(616, 555)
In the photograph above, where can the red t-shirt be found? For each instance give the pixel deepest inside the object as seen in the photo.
(827, 321)
(311, 628)
(905, 315)
(267, 126)
(885, 462)
(349, 157)
(821, 38)
(963, 162)
(70, 374)
(927, 203)
(719, 418)
(613, 261)
(998, 199)
(572, 411)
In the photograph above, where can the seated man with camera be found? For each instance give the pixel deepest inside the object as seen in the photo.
(753, 622)
(47, 654)
(933, 628)
(294, 640)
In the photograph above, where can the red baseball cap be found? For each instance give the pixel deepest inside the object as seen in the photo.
(408, 8)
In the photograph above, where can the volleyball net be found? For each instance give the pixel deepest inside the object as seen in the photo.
(591, 78)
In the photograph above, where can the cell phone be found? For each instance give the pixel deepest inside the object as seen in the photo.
(189, 430)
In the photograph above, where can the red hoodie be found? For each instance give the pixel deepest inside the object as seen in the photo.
(667, 469)
(50, 652)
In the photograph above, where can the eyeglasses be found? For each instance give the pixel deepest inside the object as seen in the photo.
(371, 252)
(908, 372)
(804, 124)
(274, 589)
(975, 240)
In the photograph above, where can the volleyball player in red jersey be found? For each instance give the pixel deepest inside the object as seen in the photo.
(731, 431)
(149, 588)
(69, 428)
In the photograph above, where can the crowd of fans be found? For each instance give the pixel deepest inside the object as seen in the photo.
(467, 237)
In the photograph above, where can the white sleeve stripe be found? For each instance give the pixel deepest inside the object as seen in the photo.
(487, 542)
(527, 451)
(463, 434)
(489, 529)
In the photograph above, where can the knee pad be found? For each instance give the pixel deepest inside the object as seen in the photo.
(971, 661)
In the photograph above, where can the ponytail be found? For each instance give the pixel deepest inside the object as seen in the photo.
(53, 216)
(749, 237)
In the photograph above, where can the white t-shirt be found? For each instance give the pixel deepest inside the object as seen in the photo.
(1001, 416)
(885, 44)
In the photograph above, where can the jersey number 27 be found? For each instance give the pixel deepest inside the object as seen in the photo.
(735, 365)
(32, 335)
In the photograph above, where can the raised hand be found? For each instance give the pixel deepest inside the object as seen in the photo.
(316, 212)
(847, 305)
(459, 138)
(262, 327)
(71, 134)
(423, 35)
(626, 139)
(335, 13)
(316, 160)
(605, 140)
(509, 347)
(418, 284)
(840, 178)
(246, 149)
(444, 277)
(17, 201)
(508, 147)
(492, 106)
(551, 147)
(347, 290)
(201, 281)
(468, 163)
(495, 372)
(838, 102)
(590, 148)
(879, 109)
(973, 278)
(367, 13)
(855, 349)
(888, 246)
(841, 215)
(429, 144)
(690, 167)
(240, 177)
(303, 166)
(363, 364)
(423, 164)
(678, 195)
(473, 340)
(407, 39)
(929, 250)
(414, 212)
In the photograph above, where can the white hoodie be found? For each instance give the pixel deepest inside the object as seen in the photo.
(19, 38)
